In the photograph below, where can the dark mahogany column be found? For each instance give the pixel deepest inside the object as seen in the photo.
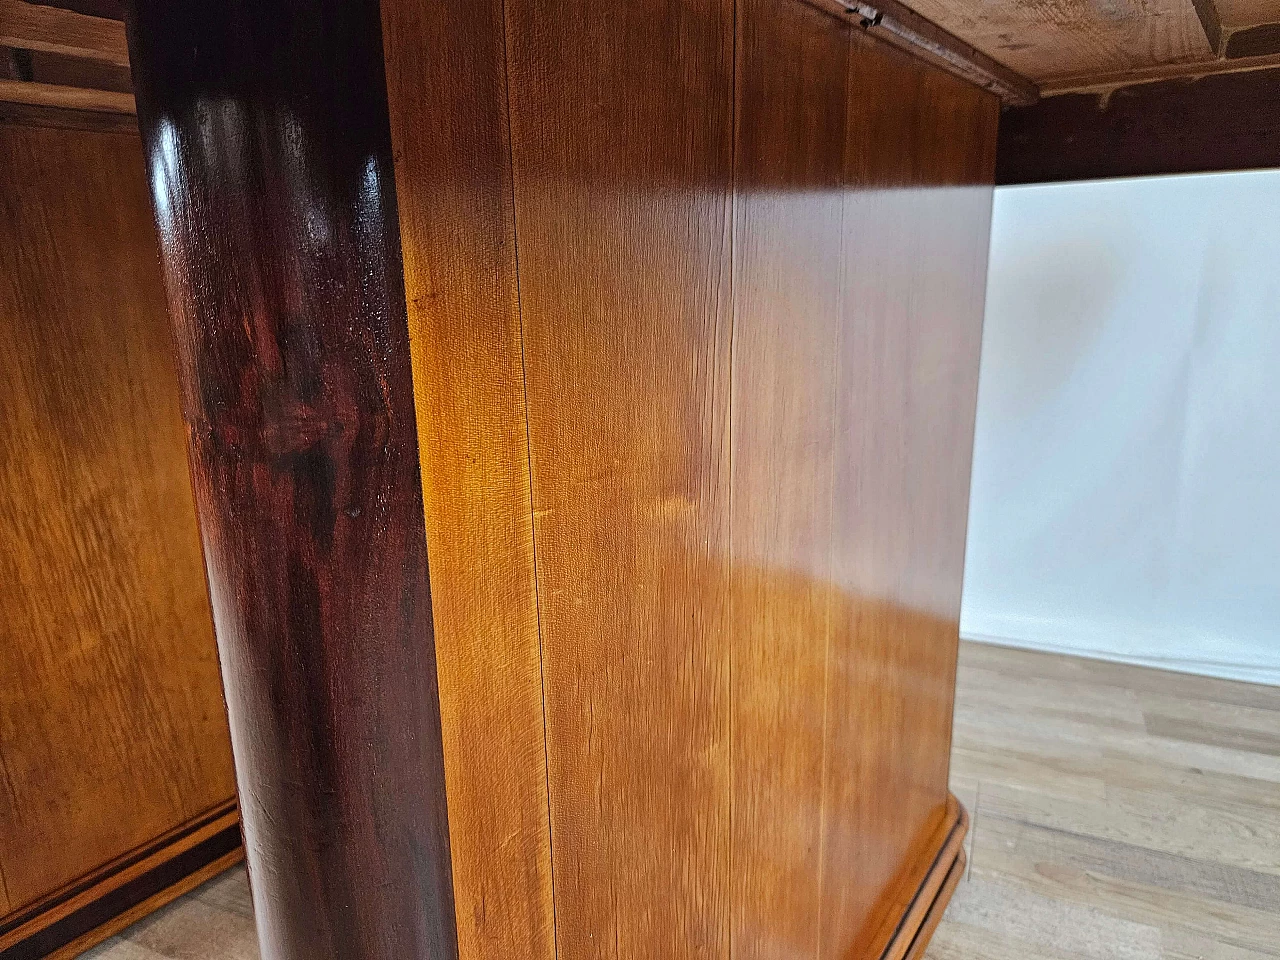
(265, 125)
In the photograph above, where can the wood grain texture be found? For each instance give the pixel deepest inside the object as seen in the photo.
(112, 727)
(1223, 122)
(60, 118)
(1075, 38)
(107, 891)
(792, 90)
(32, 26)
(269, 153)
(916, 220)
(1045, 737)
(900, 26)
(924, 935)
(449, 126)
(622, 130)
(64, 97)
(1106, 83)
(127, 890)
(80, 945)
(691, 494)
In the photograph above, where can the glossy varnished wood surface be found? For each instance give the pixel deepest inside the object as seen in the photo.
(622, 132)
(269, 152)
(792, 76)
(112, 726)
(916, 221)
(746, 531)
(447, 89)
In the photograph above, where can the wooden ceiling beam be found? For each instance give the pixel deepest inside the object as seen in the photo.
(1215, 123)
(1108, 82)
(30, 26)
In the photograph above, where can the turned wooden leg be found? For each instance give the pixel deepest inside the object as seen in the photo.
(269, 155)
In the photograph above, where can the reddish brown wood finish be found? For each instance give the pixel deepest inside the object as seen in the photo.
(1225, 122)
(738, 320)
(792, 74)
(622, 151)
(917, 213)
(267, 139)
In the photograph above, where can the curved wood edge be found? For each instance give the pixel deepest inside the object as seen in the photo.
(936, 910)
(75, 918)
(934, 893)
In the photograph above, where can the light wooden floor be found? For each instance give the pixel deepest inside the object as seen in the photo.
(1118, 813)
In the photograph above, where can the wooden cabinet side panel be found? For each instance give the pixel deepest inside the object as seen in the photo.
(447, 93)
(622, 154)
(919, 164)
(748, 359)
(112, 724)
(792, 63)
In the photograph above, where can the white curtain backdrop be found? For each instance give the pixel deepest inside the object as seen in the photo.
(1126, 477)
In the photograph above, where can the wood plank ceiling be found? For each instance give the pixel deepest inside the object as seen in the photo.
(1065, 45)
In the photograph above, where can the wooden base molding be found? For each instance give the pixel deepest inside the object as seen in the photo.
(926, 908)
(84, 913)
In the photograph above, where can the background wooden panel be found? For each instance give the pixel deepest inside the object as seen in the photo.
(916, 222)
(112, 726)
(1074, 37)
(621, 123)
(792, 88)
(449, 128)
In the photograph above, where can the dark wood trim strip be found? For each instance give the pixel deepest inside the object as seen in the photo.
(1218, 123)
(936, 909)
(906, 29)
(190, 834)
(78, 924)
(932, 895)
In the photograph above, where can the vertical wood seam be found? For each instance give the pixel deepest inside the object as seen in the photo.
(528, 453)
(13, 799)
